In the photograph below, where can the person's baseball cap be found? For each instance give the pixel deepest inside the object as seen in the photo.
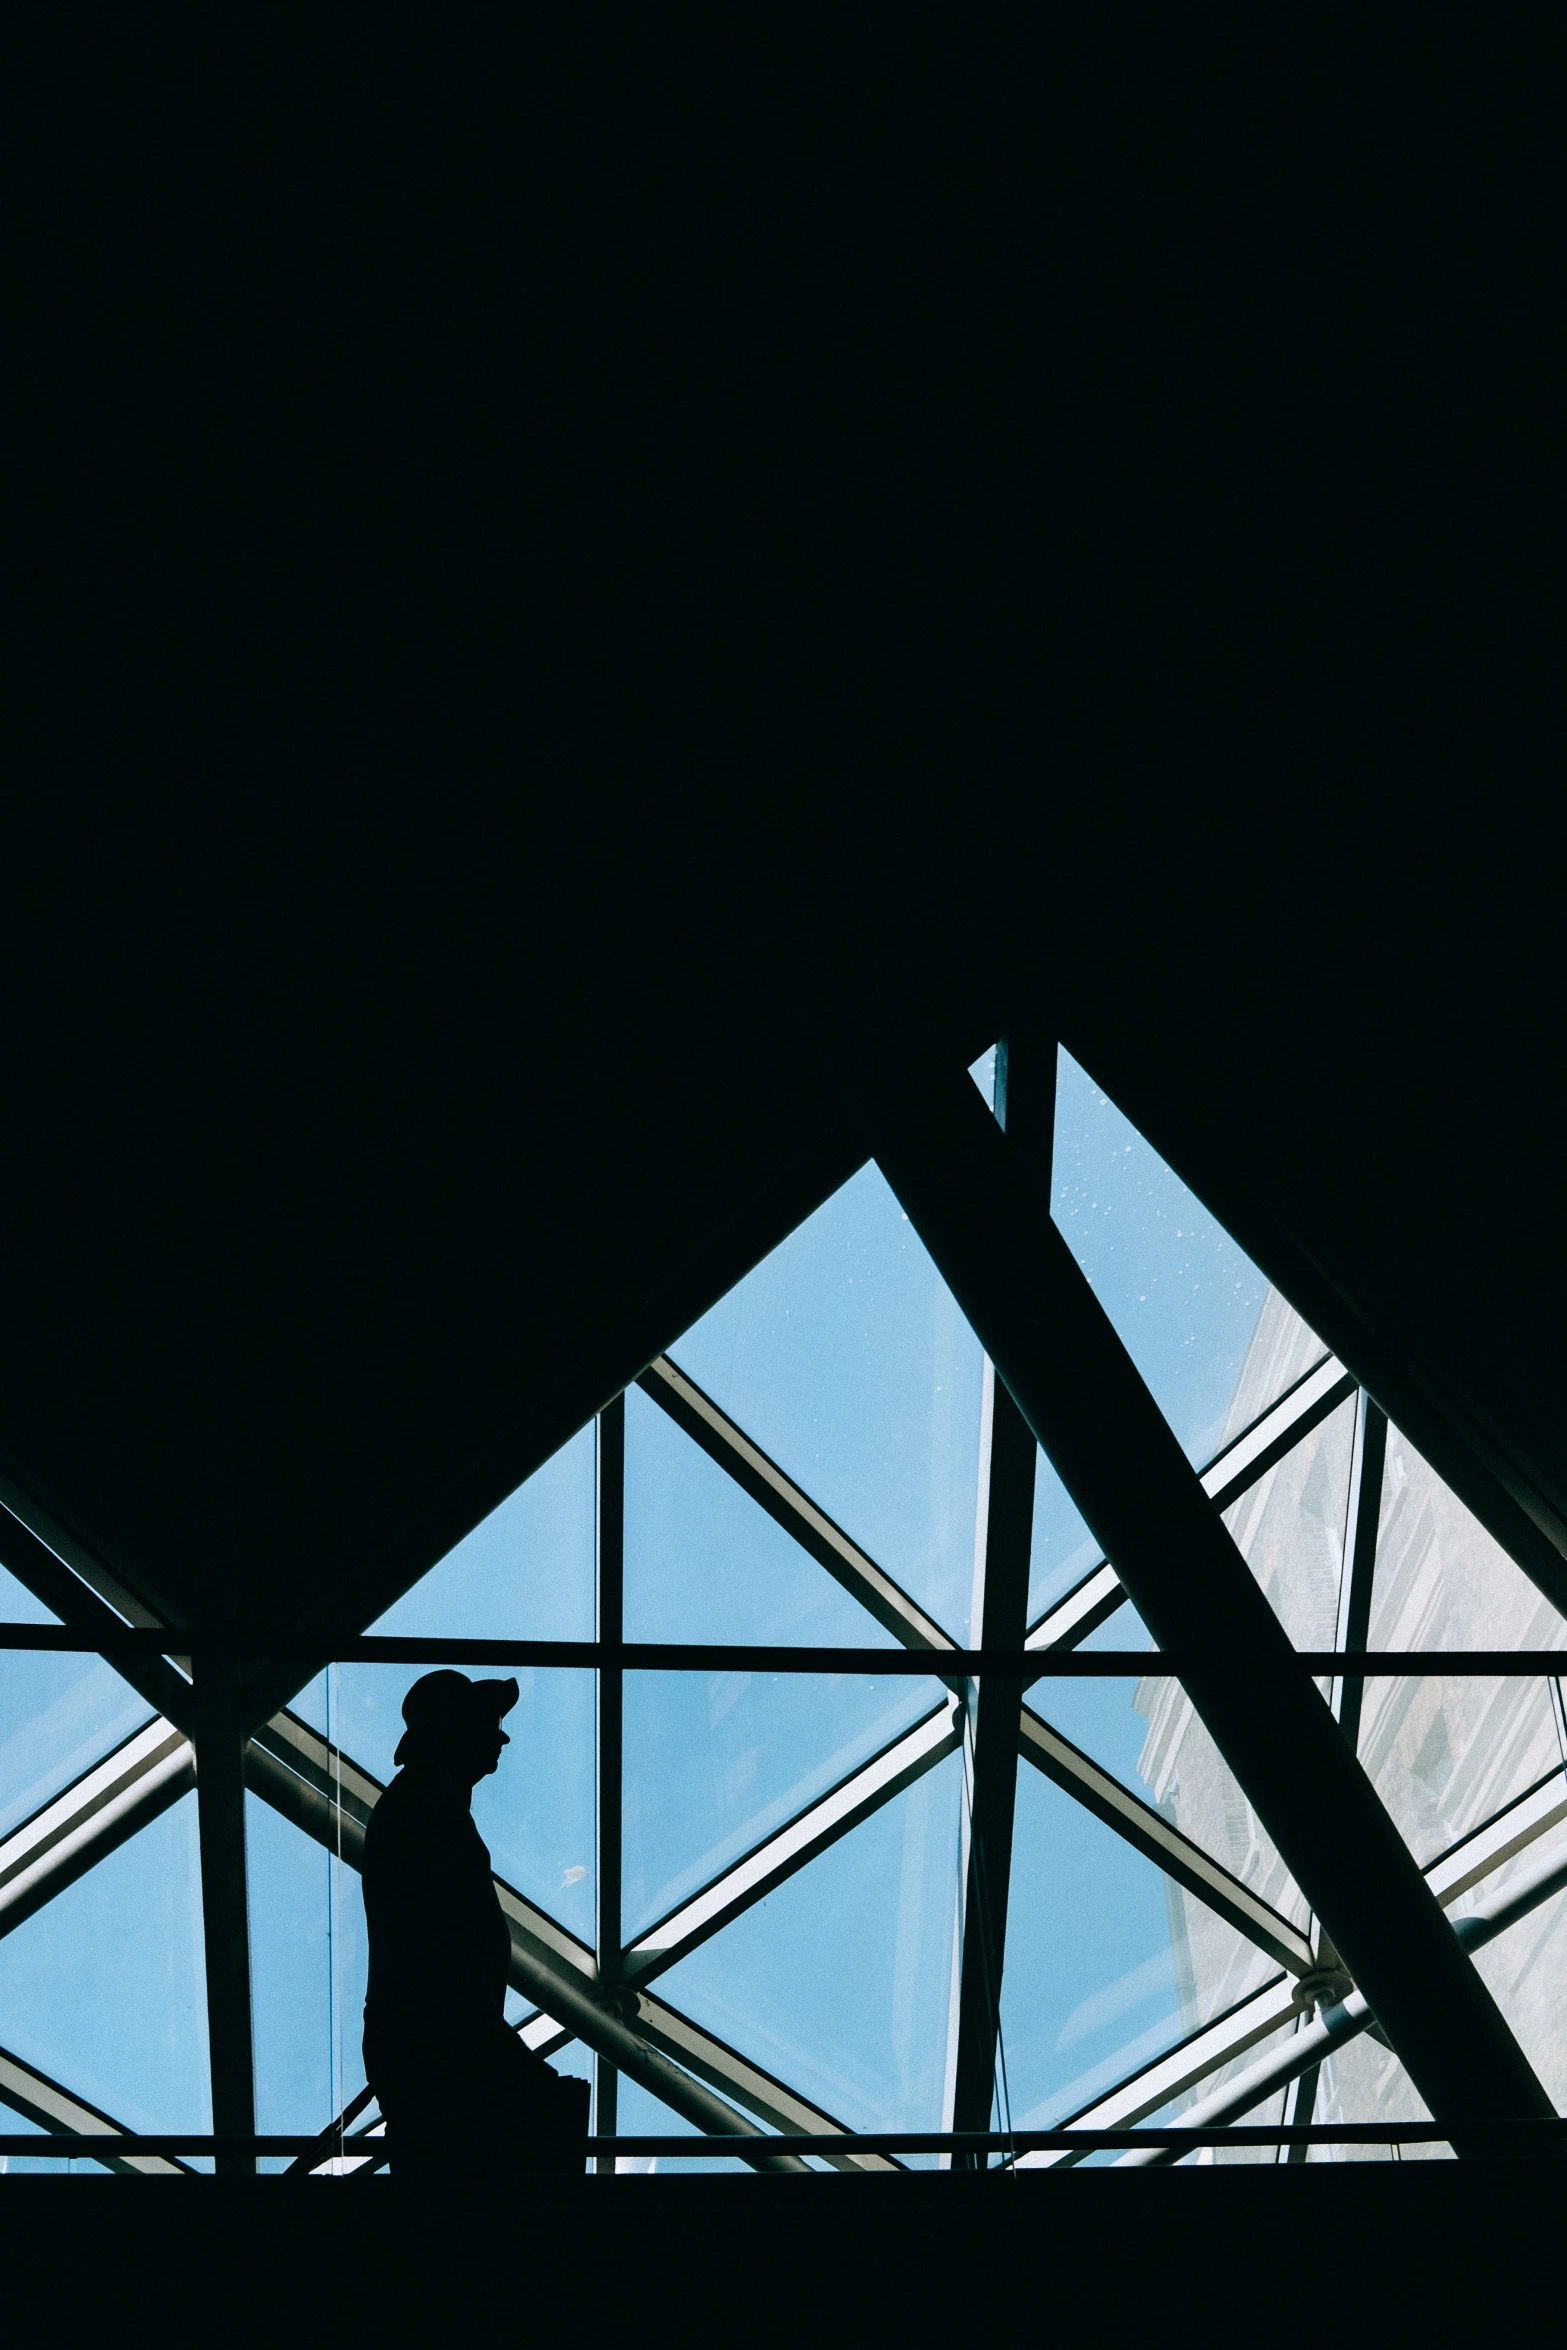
(446, 1705)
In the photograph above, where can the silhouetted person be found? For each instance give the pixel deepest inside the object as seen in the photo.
(459, 2092)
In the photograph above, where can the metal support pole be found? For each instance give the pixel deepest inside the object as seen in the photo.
(220, 1806)
(1008, 1456)
(611, 1583)
(1360, 1555)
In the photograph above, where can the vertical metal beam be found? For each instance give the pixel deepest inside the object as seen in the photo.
(1008, 1457)
(611, 1587)
(1033, 1310)
(1360, 1555)
(220, 1805)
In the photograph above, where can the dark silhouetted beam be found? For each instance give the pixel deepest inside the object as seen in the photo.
(1015, 1278)
(220, 1803)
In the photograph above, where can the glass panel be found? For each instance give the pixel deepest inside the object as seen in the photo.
(1150, 1736)
(840, 1981)
(536, 1813)
(844, 1355)
(1290, 1529)
(640, 2116)
(308, 1963)
(1185, 1299)
(1441, 1581)
(705, 1562)
(525, 1573)
(1445, 1753)
(104, 1988)
(1062, 1549)
(1108, 1963)
(1526, 1971)
(715, 1762)
(1274, 2109)
(1364, 2082)
(58, 1714)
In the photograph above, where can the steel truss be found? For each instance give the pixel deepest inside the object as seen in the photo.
(603, 1997)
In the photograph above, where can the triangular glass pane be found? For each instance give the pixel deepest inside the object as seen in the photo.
(1185, 1298)
(104, 1988)
(536, 1813)
(839, 1982)
(1108, 1962)
(525, 1573)
(1446, 1752)
(717, 1762)
(1148, 1734)
(844, 1355)
(1525, 1969)
(308, 1969)
(1290, 1529)
(704, 1562)
(58, 1714)
(639, 2115)
(1364, 2082)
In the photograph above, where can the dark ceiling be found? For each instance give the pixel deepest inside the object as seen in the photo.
(565, 578)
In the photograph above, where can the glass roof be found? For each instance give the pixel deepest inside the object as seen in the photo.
(792, 1858)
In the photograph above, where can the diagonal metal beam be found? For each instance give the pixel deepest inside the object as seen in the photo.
(64, 1591)
(1242, 1464)
(1159, 1840)
(1015, 1278)
(86, 1821)
(1346, 2019)
(905, 1759)
(789, 1506)
(1524, 1822)
(69, 2118)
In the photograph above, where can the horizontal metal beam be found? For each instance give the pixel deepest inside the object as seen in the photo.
(77, 1828)
(905, 1759)
(1159, 1840)
(1032, 1308)
(790, 1507)
(69, 2118)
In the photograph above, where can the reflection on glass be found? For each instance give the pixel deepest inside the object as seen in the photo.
(58, 1714)
(846, 1359)
(1525, 1970)
(1364, 2082)
(715, 1762)
(535, 1813)
(1062, 1551)
(1184, 1298)
(1445, 1753)
(839, 1981)
(104, 1988)
(525, 1573)
(1149, 1735)
(1290, 1529)
(1108, 1962)
(1274, 2109)
(704, 1562)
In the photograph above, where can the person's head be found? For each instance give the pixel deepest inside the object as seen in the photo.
(454, 1724)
